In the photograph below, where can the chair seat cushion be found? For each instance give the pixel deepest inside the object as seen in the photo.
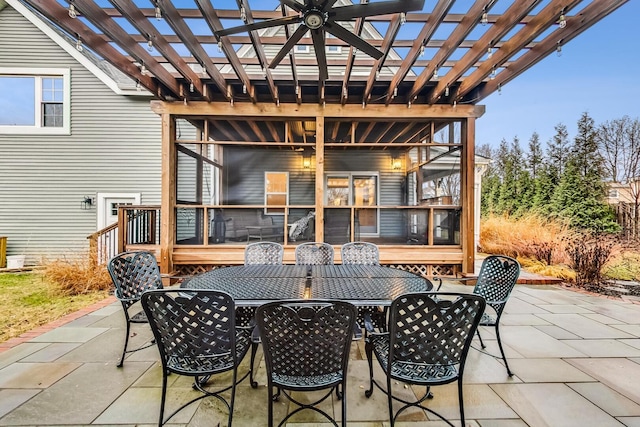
(487, 320)
(412, 372)
(202, 365)
(303, 381)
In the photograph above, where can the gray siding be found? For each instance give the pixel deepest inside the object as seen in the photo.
(114, 146)
(244, 178)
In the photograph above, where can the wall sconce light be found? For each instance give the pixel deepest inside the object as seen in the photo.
(306, 158)
(396, 161)
(86, 203)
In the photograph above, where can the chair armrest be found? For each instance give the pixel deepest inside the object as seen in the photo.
(439, 280)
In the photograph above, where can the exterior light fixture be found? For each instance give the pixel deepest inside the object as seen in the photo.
(306, 158)
(86, 203)
(396, 161)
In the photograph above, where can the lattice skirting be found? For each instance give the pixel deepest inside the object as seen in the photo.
(425, 270)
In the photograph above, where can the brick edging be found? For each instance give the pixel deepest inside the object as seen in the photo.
(29, 335)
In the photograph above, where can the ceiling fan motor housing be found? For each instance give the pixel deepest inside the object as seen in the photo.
(314, 18)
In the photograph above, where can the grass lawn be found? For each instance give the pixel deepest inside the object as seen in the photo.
(28, 300)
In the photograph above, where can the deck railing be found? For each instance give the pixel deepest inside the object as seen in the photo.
(137, 225)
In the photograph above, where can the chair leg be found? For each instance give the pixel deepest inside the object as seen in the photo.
(254, 351)
(233, 394)
(163, 398)
(270, 409)
(392, 417)
(368, 348)
(502, 350)
(344, 403)
(461, 402)
(480, 338)
(126, 340)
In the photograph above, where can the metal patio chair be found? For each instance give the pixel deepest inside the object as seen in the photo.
(428, 338)
(498, 275)
(132, 274)
(362, 253)
(263, 253)
(314, 253)
(196, 334)
(306, 348)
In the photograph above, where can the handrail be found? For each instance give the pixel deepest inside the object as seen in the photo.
(137, 225)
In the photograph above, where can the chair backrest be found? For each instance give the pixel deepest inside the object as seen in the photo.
(194, 330)
(263, 253)
(498, 275)
(360, 253)
(314, 253)
(432, 328)
(133, 273)
(303, 338)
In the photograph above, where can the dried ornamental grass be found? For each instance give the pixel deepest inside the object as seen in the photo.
(78, 276)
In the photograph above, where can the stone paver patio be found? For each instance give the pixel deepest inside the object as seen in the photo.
(576, 359)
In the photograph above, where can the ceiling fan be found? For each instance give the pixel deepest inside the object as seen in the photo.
(320, 17)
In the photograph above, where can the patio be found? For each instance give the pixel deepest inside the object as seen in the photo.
(575, 357)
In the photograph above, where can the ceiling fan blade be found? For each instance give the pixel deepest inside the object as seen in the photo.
(295, 38)
(293, 4)
(318, 47)
(267, 23)
(343, 13)
(353, 39)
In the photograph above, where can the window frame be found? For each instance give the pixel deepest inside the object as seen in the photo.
(351, 194)
(38, 128)
(268, 193)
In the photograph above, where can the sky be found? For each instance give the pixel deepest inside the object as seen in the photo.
(598, 73)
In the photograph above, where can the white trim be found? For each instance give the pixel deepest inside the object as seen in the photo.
(101, 197)
(71, 50)
(38, 74)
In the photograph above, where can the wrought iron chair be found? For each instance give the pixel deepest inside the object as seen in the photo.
(263, 253)
(306, 348)
(132, 274)
(498, 275)
(314, 253)
(427, 342)
(362, 253)
(196, 334)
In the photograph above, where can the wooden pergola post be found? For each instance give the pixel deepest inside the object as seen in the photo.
(319, 200)
(168, 197)
(467, 178)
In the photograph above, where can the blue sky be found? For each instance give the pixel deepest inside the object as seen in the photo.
(597, 73)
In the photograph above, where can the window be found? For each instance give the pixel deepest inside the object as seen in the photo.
(34, 101)
(276, 192)
(334, 49)
(301, 48)
(358, 189)
(613, 194)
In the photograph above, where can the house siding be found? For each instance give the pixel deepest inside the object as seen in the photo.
(245, 170)
(114, 147)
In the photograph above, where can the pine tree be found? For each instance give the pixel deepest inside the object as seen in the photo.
(536, 157)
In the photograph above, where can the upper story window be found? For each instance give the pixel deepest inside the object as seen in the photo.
(613, 193)
(34, 101)
(301, 48)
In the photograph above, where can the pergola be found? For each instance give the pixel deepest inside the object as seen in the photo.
(381, 74)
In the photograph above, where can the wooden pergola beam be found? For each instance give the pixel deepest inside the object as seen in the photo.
(575, 26)
(503, 25)
(427, 31)
(533, 29)
(55, 12)
(142, 24)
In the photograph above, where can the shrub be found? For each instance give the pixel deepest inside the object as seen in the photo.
(78, 276)
(588, 255)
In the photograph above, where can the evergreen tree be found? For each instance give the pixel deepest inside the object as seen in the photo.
(580, 194)
(558, 150)
(536, 156)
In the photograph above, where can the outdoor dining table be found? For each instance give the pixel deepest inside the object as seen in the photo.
(362, 285)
